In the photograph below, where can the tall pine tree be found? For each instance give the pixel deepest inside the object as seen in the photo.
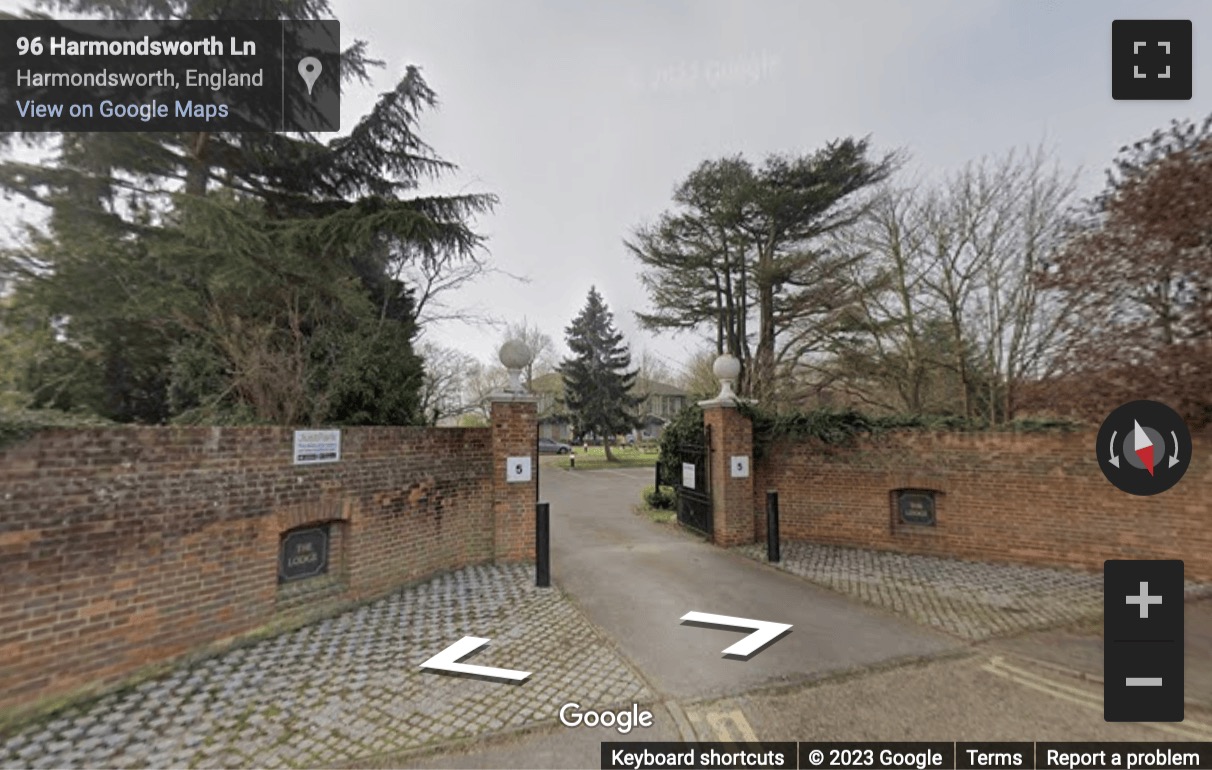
(598, 377)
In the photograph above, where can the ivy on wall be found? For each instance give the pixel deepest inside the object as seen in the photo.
(837, 427)
(19, 424)
(686, 427)
(842, 427)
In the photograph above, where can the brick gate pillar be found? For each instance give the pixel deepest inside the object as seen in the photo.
(515, 460)
(515, 483)
(731, 457)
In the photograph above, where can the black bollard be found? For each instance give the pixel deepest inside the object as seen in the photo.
(656, 484)
(772, 526)
(572, 460)
(542, 545)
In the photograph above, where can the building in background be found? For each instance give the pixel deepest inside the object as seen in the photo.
(662, 402)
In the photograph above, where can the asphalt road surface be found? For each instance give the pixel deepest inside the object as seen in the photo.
(635, 580)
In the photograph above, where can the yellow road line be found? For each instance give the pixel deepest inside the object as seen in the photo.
(1000, 663)
(726, 721)
(1086, 698)
(719, 721)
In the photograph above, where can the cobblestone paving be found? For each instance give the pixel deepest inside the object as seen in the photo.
(350, 687)
(973, 600)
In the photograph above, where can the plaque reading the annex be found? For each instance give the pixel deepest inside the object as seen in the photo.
(303, 554)
(916, 506)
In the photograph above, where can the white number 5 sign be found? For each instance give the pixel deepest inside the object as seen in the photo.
(517, 469)
(740, 466)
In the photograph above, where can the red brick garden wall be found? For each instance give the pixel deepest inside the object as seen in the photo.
(131, 546)
(1036, 498)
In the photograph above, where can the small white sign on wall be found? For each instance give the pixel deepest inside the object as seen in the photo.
(317, 446)
(688, 475)
(517, 469)
(740, 466)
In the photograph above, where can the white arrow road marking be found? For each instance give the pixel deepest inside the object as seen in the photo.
(1174, 457)
(764, 631)
(1114, 457)
(448, 660)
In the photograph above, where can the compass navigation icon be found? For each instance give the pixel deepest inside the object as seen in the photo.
(1144, 447)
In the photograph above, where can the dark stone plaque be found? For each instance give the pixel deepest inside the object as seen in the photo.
(916, 506)
(303, 554)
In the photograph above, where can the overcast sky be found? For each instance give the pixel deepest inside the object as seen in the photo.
(582, 116)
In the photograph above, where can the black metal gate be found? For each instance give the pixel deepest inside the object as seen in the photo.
(694, 482)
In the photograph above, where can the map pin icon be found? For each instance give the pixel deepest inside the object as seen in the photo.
(309, 69)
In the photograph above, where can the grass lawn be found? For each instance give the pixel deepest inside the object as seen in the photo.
(624, 457)
(656, 514)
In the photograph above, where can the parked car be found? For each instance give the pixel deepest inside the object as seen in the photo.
(551, 446)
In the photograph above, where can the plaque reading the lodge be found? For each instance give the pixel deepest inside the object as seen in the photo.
(915, 506)
(303, 554)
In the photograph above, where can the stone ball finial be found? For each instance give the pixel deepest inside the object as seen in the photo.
(726, 369)
(515, 355)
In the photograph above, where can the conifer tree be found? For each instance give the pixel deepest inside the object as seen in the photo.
(234, 277)
(598, 378)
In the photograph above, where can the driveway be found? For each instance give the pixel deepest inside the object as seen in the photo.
(635, 580)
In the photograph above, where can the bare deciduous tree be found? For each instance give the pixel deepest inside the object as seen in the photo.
(880, 355)
(1013, 213)
(479, 383)
(946, 314)
(652, 368)
(444, 392)
(698, 379)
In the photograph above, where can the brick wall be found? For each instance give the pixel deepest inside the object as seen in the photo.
(1036, 498)
(124, 547)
